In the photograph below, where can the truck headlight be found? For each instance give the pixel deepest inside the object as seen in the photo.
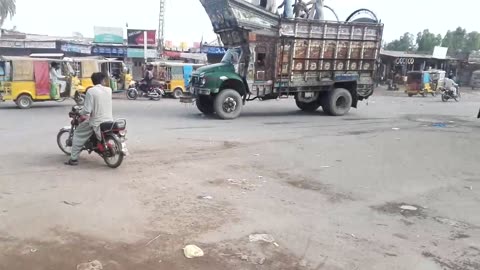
(203, 81)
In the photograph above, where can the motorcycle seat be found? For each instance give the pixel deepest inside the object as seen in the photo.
(107, 126)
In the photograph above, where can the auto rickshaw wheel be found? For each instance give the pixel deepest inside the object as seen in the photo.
(24, 101)
(177, 93)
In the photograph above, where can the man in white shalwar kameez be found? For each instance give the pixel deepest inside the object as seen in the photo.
(97, 109)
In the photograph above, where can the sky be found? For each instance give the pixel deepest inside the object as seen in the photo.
(186, 20)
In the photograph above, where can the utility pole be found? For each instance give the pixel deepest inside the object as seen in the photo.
(161, 28)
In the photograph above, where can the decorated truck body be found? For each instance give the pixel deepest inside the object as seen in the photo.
(326, 64)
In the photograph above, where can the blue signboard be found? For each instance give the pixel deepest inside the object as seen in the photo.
(109, 51)
(213, 50)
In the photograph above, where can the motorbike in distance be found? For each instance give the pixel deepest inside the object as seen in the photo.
(112, 148)
(140, 89)
(448, 94)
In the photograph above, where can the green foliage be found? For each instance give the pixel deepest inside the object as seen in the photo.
(457, 41)
(404, 43)
(427, 41)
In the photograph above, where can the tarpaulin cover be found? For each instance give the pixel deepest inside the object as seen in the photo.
(22, 70)
(42, 78)
(88, 68)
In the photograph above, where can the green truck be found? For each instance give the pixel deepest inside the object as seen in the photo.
(326, 64)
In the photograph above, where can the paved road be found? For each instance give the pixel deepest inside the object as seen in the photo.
(329, 190)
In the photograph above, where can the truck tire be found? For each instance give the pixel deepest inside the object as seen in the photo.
(228, 104)
(307, 107)
(338, 102)
(205, 105)
(24, 102)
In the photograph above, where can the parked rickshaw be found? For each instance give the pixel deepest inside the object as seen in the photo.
(119, 77)
(438, 79)
(26, 80)
(475, 81)
(174, 76)
(418, 82)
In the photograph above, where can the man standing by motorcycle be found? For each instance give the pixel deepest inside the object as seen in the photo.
(148, 78)
(97, 109)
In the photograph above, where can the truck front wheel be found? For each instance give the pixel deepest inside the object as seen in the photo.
(228, 104)
(338, 102)
(205, 104)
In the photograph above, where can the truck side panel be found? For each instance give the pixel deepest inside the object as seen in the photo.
(328, 52)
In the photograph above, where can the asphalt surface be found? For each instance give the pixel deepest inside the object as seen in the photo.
(393, 185)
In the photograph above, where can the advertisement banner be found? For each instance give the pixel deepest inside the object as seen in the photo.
(136, 38)
(112, 35)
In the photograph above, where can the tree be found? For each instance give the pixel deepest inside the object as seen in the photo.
(7, 8)
(472, 42)
(455, 41)
(404, 43)
(427, 41)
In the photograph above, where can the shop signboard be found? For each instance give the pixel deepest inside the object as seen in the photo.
(109, 51)
(40, 44)
(112, 35)
(139, 53)
(76, 48)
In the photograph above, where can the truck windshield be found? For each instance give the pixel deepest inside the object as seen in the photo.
(232, 56)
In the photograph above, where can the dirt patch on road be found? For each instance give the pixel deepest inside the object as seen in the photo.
(165, 253)
(327, 190)
(467, 260)
(404, 209)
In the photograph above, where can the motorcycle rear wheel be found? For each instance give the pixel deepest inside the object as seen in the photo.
(157, 98)
(132, 94)
(115, 158)
(62, 142)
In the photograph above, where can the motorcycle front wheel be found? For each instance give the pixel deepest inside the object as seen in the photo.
(114, 154)
(132, 94)
(64, 141)
(444, 98)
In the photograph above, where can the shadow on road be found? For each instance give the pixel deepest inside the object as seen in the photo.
(35, 106)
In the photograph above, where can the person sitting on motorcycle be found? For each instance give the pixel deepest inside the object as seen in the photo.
(96, 110)
(450, 85)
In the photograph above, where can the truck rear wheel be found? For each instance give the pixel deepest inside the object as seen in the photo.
(228, 104)
(205, 104)
(338, 102)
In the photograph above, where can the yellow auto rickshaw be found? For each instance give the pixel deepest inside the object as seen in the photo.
(418, 82)
(174, 75)
(119, 77)
(26, 80)
(438, 79)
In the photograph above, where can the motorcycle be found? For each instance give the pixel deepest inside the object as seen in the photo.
(140, 89)
(448, 94)
(112, 147)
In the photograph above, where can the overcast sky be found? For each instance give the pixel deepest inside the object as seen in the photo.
(186, 20)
